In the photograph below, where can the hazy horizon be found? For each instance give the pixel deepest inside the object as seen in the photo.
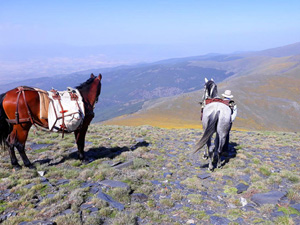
(40, 38)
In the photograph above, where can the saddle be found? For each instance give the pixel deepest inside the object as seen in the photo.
(66, 110)
(229, 103)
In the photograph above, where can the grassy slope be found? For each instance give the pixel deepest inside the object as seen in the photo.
(267, 98)
(175, 198)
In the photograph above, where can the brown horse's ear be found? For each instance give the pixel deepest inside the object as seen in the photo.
(100, 76)
(92, 75)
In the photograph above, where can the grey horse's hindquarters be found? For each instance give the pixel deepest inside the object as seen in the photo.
(210, 128)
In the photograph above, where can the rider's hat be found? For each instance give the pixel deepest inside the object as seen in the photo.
(227, 94)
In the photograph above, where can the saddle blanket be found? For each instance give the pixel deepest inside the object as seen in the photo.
(44, 103)
(66, 110)
(210, 100)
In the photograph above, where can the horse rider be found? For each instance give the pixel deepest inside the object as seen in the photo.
(228, 96)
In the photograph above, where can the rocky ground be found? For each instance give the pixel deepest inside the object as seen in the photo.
(147, 175)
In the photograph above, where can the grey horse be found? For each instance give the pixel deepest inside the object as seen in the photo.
(216, 119)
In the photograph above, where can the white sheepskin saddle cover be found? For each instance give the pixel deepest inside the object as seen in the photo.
(66, 110)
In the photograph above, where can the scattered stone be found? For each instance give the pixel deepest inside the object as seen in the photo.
(139, 197)
(155, 182)
(240, 221)
(277, 214)
(275, 170)
(296, 206)
(86, 206)
(7, 215)
(243, 201)
(28, 186)
(166, 174)
(241, 187)
(204, 176)
(216, 220)
(227, 177)
(94, 209)
(139, 140)
(94, 190)
(41, 173)
(250, 207)
(50, 195)
(38, 222)
(124, 165)
(271, 197)
(110, 201)
(67, 212)
(246, 178)
(62, 181)
(114, 184)
(190, 221)
(35, 146)
(209, 212)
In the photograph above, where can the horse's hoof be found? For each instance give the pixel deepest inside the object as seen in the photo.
(31, 166)
(17, 167)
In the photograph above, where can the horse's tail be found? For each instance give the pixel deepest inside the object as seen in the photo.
(210, 129)
(5, 128)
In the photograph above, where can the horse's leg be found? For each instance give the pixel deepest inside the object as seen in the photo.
(18, 138)
(211, 150)
(80, 141)
(222, 141)
(205, 155)
(10, 141)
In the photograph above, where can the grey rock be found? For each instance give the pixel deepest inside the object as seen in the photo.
(67, 212)
(241, 187)
(227, 177)
(50, 195)
(93, 209)
(7, 215)
(86, 206)
(240, 221)
(94, 190)
(38, 222)
(29, 185)
(155, 182)
(124, 165)
(204, 176)
(216, 220)
(62, 181)
(114, 184)
(139, 197)
(271, 197)
(250, 207)
(110, 201)
(277, 214)
(168, 173)
(296, 206)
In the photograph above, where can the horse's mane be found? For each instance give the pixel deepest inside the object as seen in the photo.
(212, 89)
(86, 83)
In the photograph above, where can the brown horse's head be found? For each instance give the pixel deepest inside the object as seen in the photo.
(90, 91)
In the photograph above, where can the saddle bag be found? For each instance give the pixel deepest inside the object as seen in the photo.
(66, 110)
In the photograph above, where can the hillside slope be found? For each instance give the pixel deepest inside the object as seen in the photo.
(267, 96)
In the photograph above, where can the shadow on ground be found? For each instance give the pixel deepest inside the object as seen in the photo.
(226, 156)
(93, 154)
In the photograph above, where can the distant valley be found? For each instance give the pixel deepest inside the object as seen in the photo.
(166, 93)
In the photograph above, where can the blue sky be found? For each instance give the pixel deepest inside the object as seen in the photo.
(227, 25)
(41, 38)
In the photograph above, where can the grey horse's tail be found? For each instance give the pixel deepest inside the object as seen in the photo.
(210, 129)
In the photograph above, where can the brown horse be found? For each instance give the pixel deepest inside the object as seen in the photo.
(20, 109)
